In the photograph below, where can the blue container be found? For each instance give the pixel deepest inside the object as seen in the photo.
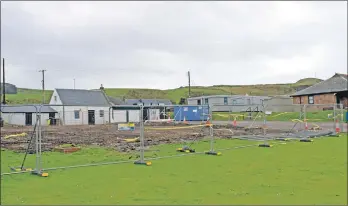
(346, 116)
(191, 113)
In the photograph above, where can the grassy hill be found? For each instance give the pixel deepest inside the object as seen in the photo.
(30, 96)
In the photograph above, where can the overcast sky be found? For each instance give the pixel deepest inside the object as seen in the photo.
(154, 44)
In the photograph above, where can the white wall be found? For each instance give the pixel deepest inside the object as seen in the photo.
(14, 118)
(55, 96)
(153, 114)
(133, 115)
(119, 116)
(19, 118)
(68, 116)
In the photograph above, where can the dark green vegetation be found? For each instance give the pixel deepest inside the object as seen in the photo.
(292, 173)
(25, 96)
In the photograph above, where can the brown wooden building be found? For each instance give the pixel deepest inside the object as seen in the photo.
(331, 91)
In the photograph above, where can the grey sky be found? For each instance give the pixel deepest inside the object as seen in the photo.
(153, 44)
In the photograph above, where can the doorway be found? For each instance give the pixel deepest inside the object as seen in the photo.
(52, 118)
(51, 115)
(28, 119)
(127, 116)
(91, 117)
(145, 114)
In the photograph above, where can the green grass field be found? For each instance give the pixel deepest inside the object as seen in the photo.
(320, 116)
(292, 173)
(30, 96)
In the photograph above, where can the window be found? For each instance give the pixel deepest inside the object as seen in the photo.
(225, 100)
(77, 114)
(101, 113)
(310, 99)
(234, 101)
(55, 98)
(198, 102)
(206, 101)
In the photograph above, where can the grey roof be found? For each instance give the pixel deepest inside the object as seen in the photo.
(228, 96)
(336, 83)
(25, 109)
(79, 97)
(116, 101)
(211, 96)
(148, 101)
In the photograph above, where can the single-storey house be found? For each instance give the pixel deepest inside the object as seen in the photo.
(78, 107)
(331, 91)
(26, 115)
(229, 103)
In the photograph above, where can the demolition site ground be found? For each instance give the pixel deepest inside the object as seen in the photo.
(109, 136)
(291, 172)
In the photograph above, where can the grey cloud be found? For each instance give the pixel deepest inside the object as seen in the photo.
(153, 44)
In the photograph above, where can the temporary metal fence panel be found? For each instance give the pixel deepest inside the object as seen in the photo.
(103, 132)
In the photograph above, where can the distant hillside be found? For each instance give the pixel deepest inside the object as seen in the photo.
(308, 81)
(27, 96)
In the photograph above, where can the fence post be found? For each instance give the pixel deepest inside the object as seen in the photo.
(342, 117)
(211, 131)
(334, 119)
(264, 120)
(305, 117)
(40, 138)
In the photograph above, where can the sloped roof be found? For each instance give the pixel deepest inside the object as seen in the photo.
(148, 101)
(228, 96)
(79, 97)
(116, 101)
(336, 83)
(26, 109)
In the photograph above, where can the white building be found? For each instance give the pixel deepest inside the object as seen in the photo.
(26, 115)
(229, 103)
(79, 107)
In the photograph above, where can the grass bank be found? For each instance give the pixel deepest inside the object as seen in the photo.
(294, 173)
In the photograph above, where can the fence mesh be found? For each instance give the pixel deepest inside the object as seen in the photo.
(74, 136)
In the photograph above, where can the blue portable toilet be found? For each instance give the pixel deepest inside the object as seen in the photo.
(191, 113)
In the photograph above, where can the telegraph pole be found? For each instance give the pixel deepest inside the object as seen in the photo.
(43, 85)
(74, 83)
(189, 82)
(3, 82)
